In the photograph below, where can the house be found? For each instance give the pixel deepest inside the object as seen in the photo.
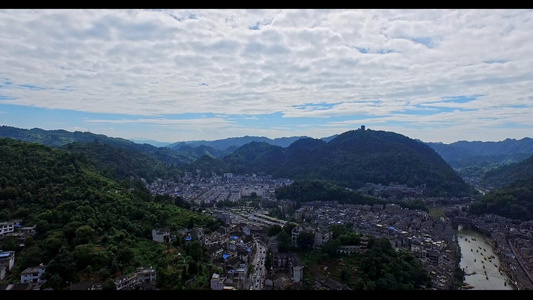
(15, 230)
(33, 274)
(146, 275)
(217, 282)
(7, 227)
(143, 278)
(288, 263)
(161, 235)
(321, 237)
(7, 261)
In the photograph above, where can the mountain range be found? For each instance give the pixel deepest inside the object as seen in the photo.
(463, 154)
(351, 158)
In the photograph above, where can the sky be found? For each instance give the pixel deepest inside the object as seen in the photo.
(169, 75)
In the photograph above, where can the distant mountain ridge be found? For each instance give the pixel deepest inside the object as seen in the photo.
(232, 143)
(353, 157)
(59, 138)
(505, 175)
(463, 154)
(459, 154)
(179, 153)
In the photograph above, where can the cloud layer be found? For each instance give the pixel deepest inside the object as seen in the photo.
(437, 75)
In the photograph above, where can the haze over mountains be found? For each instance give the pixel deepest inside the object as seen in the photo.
(463, 154)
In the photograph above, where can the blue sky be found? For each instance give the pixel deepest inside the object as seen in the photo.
(438, 75)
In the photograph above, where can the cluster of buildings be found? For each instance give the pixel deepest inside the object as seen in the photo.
(430, 240)
(249, 259)
(392, 190)
(231, 187)
(13, 229)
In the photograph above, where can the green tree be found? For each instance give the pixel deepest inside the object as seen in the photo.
(109, 285)
(62, 268)
(196, 250)
(84, 235)
(284, 241)
(83, 255)
(305, 240)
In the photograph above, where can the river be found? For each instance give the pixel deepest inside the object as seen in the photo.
(480, 264)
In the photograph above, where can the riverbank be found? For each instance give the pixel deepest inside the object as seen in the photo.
(480, 263)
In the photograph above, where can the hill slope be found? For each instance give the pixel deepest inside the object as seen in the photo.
(352, 159)
(514, 201)
(59, 138)
(505, 175)
(86, 224)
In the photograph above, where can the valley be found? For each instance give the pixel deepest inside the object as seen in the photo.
(368, 184)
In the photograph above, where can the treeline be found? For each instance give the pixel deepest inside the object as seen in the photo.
(123, 164)
(60, 138)
(303, 191)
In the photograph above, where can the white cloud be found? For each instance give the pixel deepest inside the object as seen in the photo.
(250, 62)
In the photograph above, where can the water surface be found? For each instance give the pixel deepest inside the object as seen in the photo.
(480, 264)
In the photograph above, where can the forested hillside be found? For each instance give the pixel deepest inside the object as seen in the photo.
(120, 163)
(352, 159)
(60, 138)
(515, 201)
(503, 176)
(89, 226)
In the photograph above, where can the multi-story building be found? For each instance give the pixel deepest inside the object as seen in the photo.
(7, 227)
(7, 261)
(33, 274)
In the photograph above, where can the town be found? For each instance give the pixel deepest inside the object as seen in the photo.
(242, 246)
(432, 241)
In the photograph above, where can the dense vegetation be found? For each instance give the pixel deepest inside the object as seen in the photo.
(122, 164)
(352, 159)
(515, 201)
(504, 175)
(317, 190)
(59, 138)
(379, 267)
(89, 226)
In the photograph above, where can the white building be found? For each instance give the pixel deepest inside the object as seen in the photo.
(7, 227)
(33, 274)
(7, 261)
